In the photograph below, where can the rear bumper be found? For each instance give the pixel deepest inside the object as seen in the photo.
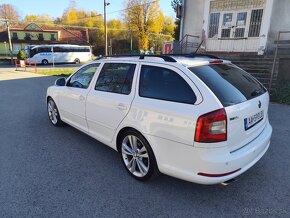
(185, 162)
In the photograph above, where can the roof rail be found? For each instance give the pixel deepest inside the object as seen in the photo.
(192, 55)
(166, 58)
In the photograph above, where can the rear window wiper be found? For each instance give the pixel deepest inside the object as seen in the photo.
(257, 92)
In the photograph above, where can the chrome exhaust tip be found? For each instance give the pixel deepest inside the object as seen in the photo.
(226, 183)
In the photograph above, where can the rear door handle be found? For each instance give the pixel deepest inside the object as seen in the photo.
(81, 98)
(122, 107)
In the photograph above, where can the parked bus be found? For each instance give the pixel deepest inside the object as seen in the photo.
(47, 54)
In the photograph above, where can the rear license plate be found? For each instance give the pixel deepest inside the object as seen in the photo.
(253, 120)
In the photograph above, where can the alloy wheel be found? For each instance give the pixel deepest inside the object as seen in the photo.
(52, 112)
(135, 156)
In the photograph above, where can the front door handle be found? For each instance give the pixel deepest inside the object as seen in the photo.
(81, 98)
(122, 107)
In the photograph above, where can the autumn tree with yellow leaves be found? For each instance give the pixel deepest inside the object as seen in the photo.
(144, 17)
(41, 19)
(143, 26)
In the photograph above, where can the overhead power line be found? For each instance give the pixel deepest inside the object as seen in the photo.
(82, 27)
(45, 22)
(112, 12)
(125, 9)
(84, 18)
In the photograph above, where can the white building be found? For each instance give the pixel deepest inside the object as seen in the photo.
(247, 26)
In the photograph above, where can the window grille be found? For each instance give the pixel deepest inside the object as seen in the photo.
(255, 23)
(214, 25)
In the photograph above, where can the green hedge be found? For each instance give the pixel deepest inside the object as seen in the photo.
(282, 92)
(21, 55)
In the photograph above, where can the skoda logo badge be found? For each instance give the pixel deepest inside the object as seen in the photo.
(260, 104)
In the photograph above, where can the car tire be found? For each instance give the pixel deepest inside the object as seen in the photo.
(77, 61)
(138, 158)
(53, 113)
(44, 62)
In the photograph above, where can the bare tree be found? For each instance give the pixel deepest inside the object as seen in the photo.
(175, 4)
(8, 11)
(7, 14)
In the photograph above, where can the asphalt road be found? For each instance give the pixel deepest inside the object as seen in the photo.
(61, 172)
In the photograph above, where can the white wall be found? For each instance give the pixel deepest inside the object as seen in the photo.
(276, 17)
(193, 17)
(280, 21)
(265, 27)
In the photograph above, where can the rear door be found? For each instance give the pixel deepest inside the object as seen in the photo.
(166, 105)
(245, 100)
(110, 99)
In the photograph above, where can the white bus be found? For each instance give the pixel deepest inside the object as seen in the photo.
(48, 54)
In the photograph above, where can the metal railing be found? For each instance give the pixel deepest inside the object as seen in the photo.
(188, 41)
(278, 45)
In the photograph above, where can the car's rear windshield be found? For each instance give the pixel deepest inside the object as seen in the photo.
(229, 83)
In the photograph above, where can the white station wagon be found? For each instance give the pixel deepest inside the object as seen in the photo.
(197, 118)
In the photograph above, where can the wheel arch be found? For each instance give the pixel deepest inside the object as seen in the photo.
(121, 132)
(48, 97)
(43, 60)
(125, 129)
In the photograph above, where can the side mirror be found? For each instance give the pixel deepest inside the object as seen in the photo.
(60, 82)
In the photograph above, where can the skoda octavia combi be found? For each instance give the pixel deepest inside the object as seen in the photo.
(197, 118)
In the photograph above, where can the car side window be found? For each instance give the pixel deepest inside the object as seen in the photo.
(116, 78)
(82, 78)
(164, 84)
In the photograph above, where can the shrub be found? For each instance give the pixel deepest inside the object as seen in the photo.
(21, 55)
(282, 92)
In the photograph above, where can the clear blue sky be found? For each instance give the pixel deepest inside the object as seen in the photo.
(55, 8)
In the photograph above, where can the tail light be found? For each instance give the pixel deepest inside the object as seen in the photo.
(212, 127)
(216, 61)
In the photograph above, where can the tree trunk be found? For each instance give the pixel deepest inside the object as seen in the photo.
(143, 41)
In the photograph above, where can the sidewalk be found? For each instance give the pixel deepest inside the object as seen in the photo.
(8, 73)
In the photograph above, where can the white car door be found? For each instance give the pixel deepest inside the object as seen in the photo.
(72, 99)
(166, 103)
(110, 99)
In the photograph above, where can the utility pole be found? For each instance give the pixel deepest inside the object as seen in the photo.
(5, 48)
(9, 38)
(111, 48)
(105, 25)
(131, 41)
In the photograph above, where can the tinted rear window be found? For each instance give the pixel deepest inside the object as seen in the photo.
(164, 84)
(230, 84)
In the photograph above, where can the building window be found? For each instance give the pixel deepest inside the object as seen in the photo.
(239, 32)
(255, 23)
(228, 18)
(227, 25)
(226, 33)
(27, 36)
(214, 25)
(52, 37)
(40, 37)
(241, 25)
(14, 36)
(16, 47)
